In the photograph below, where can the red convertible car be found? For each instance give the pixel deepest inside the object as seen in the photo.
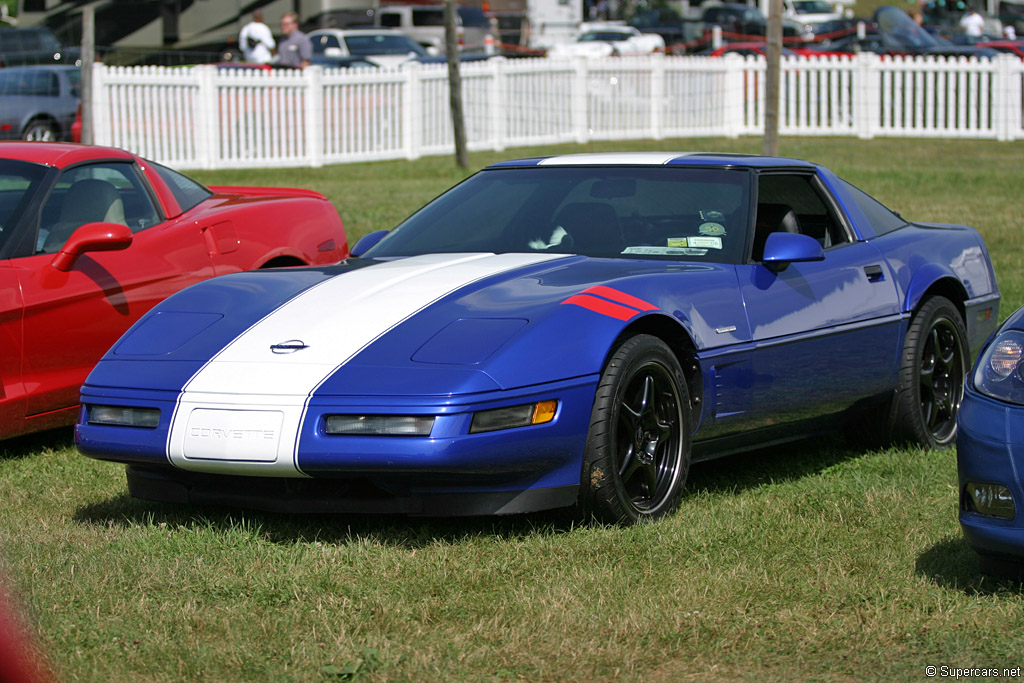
(93, 237)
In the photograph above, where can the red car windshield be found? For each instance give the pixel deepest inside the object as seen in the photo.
(19, 182)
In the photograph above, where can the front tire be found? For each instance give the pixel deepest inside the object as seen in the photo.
(638, 446)
(931, 380)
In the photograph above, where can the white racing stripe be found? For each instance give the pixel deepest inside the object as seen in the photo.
(334, 320)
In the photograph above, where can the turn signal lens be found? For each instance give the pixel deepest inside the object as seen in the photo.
(999, 371)
(990, 500)
(513, 416)
(122, 416)
(379, 425)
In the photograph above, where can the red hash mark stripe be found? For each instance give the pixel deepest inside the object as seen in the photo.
(620, 297)
(601, 306)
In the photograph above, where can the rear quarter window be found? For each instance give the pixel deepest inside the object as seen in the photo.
(882, 219)
(186, 191)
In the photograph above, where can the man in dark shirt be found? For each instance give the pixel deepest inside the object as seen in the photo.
(295, 49)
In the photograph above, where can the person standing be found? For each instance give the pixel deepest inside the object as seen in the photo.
(295, 49)
(256, 40)
(973, 24)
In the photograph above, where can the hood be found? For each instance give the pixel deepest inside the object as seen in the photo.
(439, 324)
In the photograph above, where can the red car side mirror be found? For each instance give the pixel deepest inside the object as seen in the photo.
(92, 237)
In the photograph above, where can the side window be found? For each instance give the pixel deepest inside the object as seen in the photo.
(187, 192)
(324, 41)
(110, 192)
(793, 203)
(427, 17)
(390, 19)
(881, 219)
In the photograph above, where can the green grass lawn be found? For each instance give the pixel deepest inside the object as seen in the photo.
(814, 560)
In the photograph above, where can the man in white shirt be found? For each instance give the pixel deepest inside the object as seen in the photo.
(973, 24)
(256, 40)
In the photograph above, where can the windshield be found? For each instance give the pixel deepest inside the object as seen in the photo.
(382, 45)
(899, 30)
(19, 182)
(609, 36)
(812, 7)
(687, 214)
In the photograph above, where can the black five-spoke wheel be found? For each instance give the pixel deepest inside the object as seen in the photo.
(932, 374)
(638, 447)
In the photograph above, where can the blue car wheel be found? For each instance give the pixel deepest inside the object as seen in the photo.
(931, 382)
(638, 448)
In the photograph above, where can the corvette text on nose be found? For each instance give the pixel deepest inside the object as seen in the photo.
(239, 434)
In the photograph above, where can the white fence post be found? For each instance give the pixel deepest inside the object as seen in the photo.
(1002, 102)
(412, 121)
(207, 118)
(734, 92)
(657, 96)
(867, 89)
(314, 102)
(580, 100)
(497, 102)
(101, 129)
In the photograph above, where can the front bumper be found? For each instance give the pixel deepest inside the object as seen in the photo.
(449, 472)
(990, 450)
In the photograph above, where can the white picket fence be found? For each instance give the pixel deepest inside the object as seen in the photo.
(203, 117)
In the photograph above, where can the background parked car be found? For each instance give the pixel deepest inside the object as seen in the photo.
(39, 102)
(383, 47)
(901, 35)
(35, 45)
(425, 25)
(667, 23)
(93, 237)
(606, 39)
(744, 20)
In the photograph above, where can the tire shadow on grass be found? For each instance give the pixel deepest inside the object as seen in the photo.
(390, 529)
(953, 564)
(790, 461)
(732, 474)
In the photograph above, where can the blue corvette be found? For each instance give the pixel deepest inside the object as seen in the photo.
(990, 451)
(552, 332)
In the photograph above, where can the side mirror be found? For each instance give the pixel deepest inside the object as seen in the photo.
(91, 237)
(783, 248)
(365, 242)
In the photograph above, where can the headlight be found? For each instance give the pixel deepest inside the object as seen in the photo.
(1000, 373)
(513, 416)
(990, 500)
(122, 416)
(379, 425)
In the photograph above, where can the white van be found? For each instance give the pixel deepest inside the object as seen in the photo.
(425, 25)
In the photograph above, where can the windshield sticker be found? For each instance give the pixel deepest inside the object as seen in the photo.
(711, 229)
(676, 242)
(706, 242)
(711, 215)
(665, 251)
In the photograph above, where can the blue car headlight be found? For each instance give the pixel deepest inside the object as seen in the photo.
(1000, 371)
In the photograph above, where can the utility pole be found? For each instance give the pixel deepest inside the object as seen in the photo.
(88, 56)
(772, 78)
(451, 47)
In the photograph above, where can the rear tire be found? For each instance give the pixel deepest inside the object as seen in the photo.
(638, 447)
(931, 379)
(39, 130)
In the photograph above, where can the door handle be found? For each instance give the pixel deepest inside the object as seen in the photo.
(874, 273)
